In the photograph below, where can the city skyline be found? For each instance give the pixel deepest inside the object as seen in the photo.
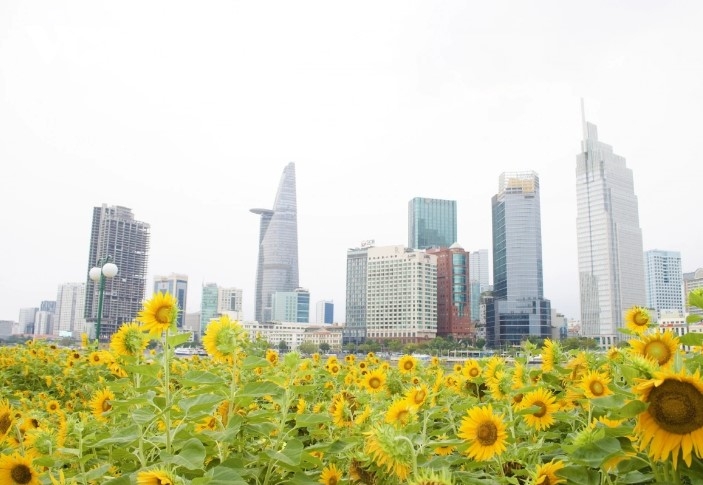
(417, 100)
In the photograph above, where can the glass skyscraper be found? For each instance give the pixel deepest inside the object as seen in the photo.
(431, 223)
(277, 268)
(518, 308)
(117, 234)
(610, 255)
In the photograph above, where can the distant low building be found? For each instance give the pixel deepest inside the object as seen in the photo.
(294, 333)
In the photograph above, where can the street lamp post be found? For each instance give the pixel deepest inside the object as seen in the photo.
(104, 269)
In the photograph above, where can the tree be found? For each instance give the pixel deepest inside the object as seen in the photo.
(480, 343)
(283, 346)
(324, 347)
(395, 345)
(308, 347)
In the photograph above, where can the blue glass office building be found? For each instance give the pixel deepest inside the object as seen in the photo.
(518, 308)
(431, 223)
(277, 268)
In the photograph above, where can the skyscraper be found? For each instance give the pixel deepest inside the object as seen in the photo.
(117, 234)
(431, 223)
(208, 305)
(324, 311)
(291, 306)
(478, 279)
(610, 256)
(664, 280)
(277, 268)
(518, 308)
(453, 292)
(357, 273)
(70, 309)
(176, 285)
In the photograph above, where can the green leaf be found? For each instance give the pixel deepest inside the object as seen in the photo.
(695, 297)
(151, 370)
(191, 456)
(199, 377)
(290, 455)
(594, 454)
(629, 410)
(580, 475)
(123, 480)
(178, 339)
(199, 403)
(220, 475)
(305, 420)
(142, 415)
(692, 339)
(259, 389)
(253, 361)
(121, 436)
(693, 318)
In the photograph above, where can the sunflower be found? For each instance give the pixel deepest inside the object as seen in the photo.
(660, 347)
(637, 319)
(615, 355)
(129, 340)
(386, 451)
(673, 420)
(331, 475)
(551, 355)
(433, 477)
(224, 338)
(547, 405)
(518, 378)
(374, 381)
(546, 473)
(400, 412)
(363, 416)
(6, 418)
(417, 395)
(45, 441)
(595, 384)
(101, 403)
(334, 368)
(16, 469)
(272, 356)
(53, 406)
(155, 477)
(485, 431)
(343, 409)
(443, 449)
(160, 313)
(407, 364)
(350, 358)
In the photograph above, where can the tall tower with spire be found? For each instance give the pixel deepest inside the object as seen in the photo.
(277, 268)
(610, 256)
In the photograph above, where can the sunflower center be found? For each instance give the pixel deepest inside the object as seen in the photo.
(420, 396)
(518, 398)
(640, 319)
(487, 434)
(5, 423)
(332, 480)
(163, 314)
(658, 351)
(597, 388)
(106, 406)
(473, 372)
(375, 382)
(408, 365)
(677, 406)
(542, 409)
(21, 473)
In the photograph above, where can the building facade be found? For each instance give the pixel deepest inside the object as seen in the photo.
(70, 310)
(610, 255)
(453, 293)
(691, 281)
(517, 308)
(277, 267)
(117, 234)
(478, 279)
(324, 311)
(357, 272)
(431, 223)
(664, 281)
(177, 286)
(401, 294)
(208, 305)
(229, 302)
(26, 319)
(294, 333)
(291, 306)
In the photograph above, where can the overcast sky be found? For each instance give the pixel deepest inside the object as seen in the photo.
(187, 112)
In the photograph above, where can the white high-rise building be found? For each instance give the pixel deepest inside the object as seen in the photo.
(401, 294)
(610, 255)
(229, 302)
(324, 311)
(664, 281)
(70, 310)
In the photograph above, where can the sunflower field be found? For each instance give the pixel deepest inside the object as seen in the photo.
(119, 414)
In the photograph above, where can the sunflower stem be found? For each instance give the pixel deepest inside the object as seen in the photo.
(167, 388)
(414, 453)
